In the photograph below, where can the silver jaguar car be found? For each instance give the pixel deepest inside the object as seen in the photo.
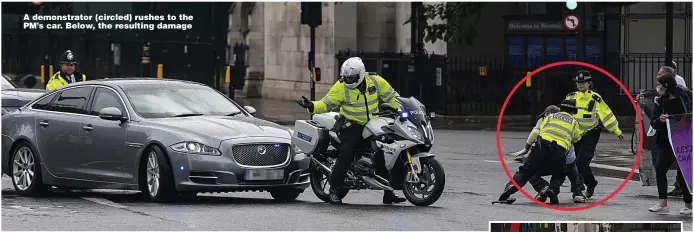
(166, 138)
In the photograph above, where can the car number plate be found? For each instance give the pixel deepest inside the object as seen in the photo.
(264, 174)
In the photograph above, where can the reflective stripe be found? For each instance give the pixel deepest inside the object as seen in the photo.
(557, 126)
(390, 97)
(611, 125)
(361, 104)
(358, 114)
(389, 92)
(608, 117)
(327, 102)
(347, 95)
(557, 134)
(373, 81)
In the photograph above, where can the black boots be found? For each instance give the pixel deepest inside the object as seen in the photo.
(590, 190)
(334, 197)
(547, 193)
(508, 191)
(389, 197)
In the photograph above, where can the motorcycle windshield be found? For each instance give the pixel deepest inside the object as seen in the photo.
(413, 110)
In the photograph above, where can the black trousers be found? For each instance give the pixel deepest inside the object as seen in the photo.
(585, 151)
(544, 159)
(665, 158)
(350, 139)
(571, 171)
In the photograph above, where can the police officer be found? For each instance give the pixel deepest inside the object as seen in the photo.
(557, 132)
(591, 111)
(540, 184)
(357, 97)
(67, 73)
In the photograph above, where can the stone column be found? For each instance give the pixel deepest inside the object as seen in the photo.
(256, 51)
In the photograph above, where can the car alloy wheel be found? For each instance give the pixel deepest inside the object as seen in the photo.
(23, 172)
(153, 174)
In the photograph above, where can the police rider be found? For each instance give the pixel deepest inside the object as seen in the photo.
(591, 111)
(357, 97)
(67, 73)
(556, 134)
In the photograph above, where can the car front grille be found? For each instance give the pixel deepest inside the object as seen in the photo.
(261, 155)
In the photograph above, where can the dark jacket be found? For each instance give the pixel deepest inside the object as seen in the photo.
(677, 106)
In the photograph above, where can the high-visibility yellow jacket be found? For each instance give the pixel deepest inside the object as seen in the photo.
(58, 80)
(352, 104)
(592, 110)
(562, 128)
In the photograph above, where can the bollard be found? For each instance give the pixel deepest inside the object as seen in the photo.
(160, 71)
(50, 71)
(227, 76)
(528, 82)
(43, 74)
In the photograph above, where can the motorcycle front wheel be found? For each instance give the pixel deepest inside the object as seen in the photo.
(428, 190)
(320, 183)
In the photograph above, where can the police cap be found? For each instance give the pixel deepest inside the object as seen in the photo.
(582, 76)
(68, 58)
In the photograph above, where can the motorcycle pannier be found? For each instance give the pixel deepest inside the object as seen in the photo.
(310, 137)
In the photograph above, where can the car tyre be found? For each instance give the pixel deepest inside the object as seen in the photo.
(26, 176)
(158, 177)
(285, 194)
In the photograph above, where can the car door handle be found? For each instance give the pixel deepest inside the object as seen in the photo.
(43, 124)
(88, 128)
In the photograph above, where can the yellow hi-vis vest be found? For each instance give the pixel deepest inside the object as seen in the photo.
(57, 81)
(562, 128)
(353, 104)
(592, 110)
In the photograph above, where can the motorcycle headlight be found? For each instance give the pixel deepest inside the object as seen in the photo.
(195, 148)
(415, 133)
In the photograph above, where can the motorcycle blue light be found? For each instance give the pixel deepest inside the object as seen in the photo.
(404, 115)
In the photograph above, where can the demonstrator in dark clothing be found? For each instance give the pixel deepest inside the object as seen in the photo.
(674, 103)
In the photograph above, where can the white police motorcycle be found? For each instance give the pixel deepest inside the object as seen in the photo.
(403, 138)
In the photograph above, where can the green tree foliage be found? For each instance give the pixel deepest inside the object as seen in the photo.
(458, 21)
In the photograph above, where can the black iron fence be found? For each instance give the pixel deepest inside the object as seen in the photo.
(101, 55)
(479, 85)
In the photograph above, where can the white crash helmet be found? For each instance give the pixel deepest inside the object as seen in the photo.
(353, 72)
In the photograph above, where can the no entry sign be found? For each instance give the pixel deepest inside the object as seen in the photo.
(571, 22)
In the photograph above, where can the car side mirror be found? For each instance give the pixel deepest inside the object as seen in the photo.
(111, 113)
(30, 81)
(250, 110)
(385, 107)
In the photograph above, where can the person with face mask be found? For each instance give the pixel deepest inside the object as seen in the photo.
(671, 69)
(356, 95)
(557, 133)
(67, 73)
(676, 104)
(591, 111)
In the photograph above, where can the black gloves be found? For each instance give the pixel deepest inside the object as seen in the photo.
(306, 104)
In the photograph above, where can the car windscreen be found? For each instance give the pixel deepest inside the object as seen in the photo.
(6, 84)
(163, 101)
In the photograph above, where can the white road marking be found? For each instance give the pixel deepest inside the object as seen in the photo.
(19, 207)
(493, 161)
(105, 202)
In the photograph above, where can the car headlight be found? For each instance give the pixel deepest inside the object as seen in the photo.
(415, 132)
(195, 148)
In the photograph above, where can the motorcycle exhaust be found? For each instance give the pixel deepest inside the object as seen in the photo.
(326, 168)
(374, 183)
